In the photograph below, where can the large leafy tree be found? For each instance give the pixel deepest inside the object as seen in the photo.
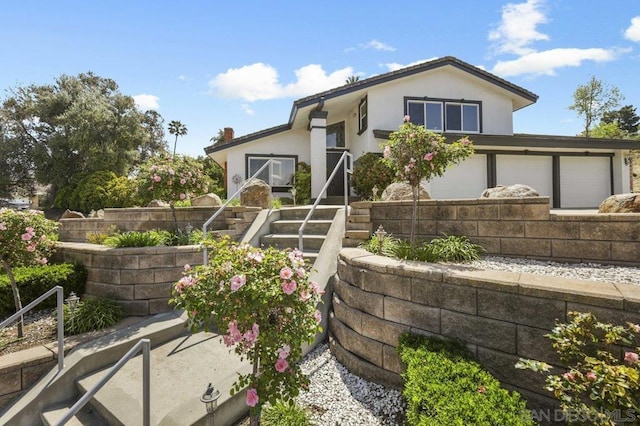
(74, 127)
(593, 100)
(626, 119)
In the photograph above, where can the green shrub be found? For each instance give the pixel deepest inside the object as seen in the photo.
(100, 236)
(389, 246)
(453, 248)
(284, 414)
(301, 181)
(139, 239)
(91, 315)
(445, 386)
(34, 281)
(101, 189)
(369, 171)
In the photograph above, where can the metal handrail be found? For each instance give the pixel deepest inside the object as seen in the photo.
(59, 303)
(145, 344)
(347, 169)
(205, 254)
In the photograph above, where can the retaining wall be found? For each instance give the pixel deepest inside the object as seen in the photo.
(501, 315)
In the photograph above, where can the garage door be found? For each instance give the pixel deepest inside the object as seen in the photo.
(584, 181)
(465, 180)
(535, 171)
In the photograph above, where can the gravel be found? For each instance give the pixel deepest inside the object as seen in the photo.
(583, 271)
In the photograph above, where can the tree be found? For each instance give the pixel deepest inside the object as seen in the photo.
(593, 100)
(74, 127)
(16, 169)
(177, 128)
(219, 137)
(626, 119)
(352, 79)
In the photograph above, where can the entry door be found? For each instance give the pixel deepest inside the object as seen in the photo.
(336, 187)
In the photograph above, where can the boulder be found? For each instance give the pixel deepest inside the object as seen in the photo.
(256, 194)
(206, 200)
(97, 214)
(157, 203)
(70, 214)
(621, 203)
(512, 191)
(400, 191)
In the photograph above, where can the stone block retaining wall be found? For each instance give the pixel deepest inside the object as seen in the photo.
(502, 316)
(140, 279)
(514, 227)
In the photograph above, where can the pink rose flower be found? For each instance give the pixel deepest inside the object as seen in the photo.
(26, 237)
(183, 196)
(288, 287)
(428, 156)
(286, 273)
(43, 261)
(591, 376)
(406, 119)
(284, 351)
(3, 226)
(300, 272)
(252, 398)
(156, 178)
(568, 376)
(316, 288)
(631, 357)
(317, 315)
(31, 248)
(305, 295)
(387, 151)
(183, 181)
(237, 282)
(281, 365)
(187, 267)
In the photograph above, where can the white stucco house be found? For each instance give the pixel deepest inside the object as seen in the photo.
(446, 95)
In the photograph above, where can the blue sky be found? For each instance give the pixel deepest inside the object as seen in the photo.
(214, 64)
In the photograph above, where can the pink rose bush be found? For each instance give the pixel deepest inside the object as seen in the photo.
(600, 378)
(265, 306)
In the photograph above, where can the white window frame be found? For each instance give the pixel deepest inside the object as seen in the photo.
(442, 104)
(462, 116)
(275, 169)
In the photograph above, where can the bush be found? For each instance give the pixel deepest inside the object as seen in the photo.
(91, 315)
(284, 414)
(445, 386)
(301, 181)
(139, 239)
(368, 171)
(34, 281)
(102, 189)
(99, 237)
(451, 248)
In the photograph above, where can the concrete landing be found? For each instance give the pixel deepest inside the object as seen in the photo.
(181, 369)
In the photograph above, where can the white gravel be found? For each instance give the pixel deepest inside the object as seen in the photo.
(337, 397)
(583, 271)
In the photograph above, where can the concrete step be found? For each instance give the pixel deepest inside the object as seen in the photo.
(282, 241)
(86, 416)
(314, 227)
(300, 212)
(180, 372)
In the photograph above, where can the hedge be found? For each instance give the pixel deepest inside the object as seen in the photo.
(35, 281)
(444, 385)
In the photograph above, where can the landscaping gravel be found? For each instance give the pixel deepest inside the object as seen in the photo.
(583, 271)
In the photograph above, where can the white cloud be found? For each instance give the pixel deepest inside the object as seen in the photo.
(517, 29)
(261, 82)
(146, 102)
(546, 62)
(182, 77)
(247, 109)
(378, 45)
(394, 66)
(633, 32)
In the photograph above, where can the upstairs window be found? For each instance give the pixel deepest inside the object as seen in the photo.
(444, 116)
(362, 116)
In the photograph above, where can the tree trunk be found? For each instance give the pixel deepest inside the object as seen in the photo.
(16, 296)
(175, 219)
(414, 213)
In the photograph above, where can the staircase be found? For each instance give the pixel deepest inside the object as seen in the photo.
(283, 233)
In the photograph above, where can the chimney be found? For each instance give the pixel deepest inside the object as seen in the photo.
(228, 133)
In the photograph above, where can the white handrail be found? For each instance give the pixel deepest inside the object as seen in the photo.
(59, 303)
(347, 169)
(145, 344)
(205, 254)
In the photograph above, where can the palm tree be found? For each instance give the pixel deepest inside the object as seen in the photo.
(219, 137)
(177, 128)
(352, 79)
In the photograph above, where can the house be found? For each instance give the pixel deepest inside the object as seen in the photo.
(446, 95)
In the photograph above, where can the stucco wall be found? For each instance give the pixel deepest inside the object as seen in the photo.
(502, 316)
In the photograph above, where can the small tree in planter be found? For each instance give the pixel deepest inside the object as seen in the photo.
(265, 305)
(171, 179)
(26, 238)
(416, 154)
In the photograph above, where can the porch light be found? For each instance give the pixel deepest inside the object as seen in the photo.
(210, 400)
(380, 235)
(72, 301)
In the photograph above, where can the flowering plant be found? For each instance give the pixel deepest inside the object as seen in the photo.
(416, 154)
(264, 304)
(26, 238)
(601, 381)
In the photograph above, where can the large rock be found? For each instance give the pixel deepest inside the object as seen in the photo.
(206, 200)
(70, 214)
(157, 203)
(400, 191)
(256, 194)
(512, 191)
(621, 203)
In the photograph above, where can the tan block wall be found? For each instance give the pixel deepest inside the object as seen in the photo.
(519, 227)
(502, 316)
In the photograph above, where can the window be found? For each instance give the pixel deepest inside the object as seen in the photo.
(277, 175)
(362, 116)
(335, 135)
(444, 116)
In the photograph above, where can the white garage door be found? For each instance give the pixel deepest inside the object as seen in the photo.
(465, 180)
(535, 171)
(584, 181)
